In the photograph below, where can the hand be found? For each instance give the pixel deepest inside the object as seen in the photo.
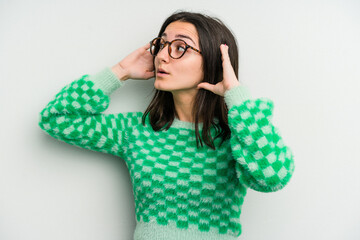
(229, 78)
(137, 65)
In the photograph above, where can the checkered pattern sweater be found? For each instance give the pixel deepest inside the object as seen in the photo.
(180, 191)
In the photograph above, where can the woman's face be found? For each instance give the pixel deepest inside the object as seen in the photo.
(186, 72)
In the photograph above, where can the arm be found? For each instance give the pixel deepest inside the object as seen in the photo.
(263, 162)
(74, 116)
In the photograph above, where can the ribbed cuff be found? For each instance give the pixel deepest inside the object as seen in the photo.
(106, 80)
(236, 95)
(154, 231)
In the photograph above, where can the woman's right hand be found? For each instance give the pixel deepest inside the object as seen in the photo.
(137, 65)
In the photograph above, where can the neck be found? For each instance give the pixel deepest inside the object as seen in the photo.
(184, 103)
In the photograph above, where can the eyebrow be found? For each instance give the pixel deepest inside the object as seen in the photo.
(179, 35)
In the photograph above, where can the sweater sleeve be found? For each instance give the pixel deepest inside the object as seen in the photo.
(74, 115)
(263, 162)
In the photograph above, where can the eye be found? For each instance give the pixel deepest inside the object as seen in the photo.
(180, 48)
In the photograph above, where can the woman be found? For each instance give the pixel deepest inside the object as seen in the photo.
(200, 144)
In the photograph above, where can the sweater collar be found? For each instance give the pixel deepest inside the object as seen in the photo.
(177, 123)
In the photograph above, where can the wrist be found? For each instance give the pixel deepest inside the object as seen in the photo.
(120, 73)
(235, 84)
(237, 95)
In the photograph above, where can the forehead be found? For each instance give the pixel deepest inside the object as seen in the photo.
(181, 30)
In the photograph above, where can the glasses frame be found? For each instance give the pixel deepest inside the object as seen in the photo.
(169, 48)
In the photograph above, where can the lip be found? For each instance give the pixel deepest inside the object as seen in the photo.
(162, 70)
(161, 74)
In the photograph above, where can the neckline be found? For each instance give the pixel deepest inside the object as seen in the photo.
(177, 123)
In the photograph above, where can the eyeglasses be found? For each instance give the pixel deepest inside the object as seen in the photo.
(177, 47)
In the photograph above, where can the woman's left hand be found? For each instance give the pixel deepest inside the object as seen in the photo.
(229, 78)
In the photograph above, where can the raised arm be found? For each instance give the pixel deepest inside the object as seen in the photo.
(75, 114)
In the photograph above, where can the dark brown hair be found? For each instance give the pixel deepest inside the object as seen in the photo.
(212, 32)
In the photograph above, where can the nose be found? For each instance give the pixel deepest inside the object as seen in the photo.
(163, 54)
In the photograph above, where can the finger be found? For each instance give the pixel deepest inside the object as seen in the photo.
(206, 86)
(225, 53)
(146, 46)
(227, 67)
(149, 75)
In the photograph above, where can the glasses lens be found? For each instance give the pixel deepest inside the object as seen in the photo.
(178, 48)
(155, 46)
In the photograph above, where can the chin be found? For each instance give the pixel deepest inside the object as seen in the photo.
(159, 85)
(170, 86)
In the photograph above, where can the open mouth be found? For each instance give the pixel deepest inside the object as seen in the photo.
(161, 72)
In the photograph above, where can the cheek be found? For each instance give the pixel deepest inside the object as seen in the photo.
(193, 70)
(155, 61)
(198, 72)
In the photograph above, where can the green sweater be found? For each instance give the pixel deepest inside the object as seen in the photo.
(180, 191)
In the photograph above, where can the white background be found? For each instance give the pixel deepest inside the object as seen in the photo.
(304, 55)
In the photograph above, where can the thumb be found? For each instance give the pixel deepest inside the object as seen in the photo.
(206, 86)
